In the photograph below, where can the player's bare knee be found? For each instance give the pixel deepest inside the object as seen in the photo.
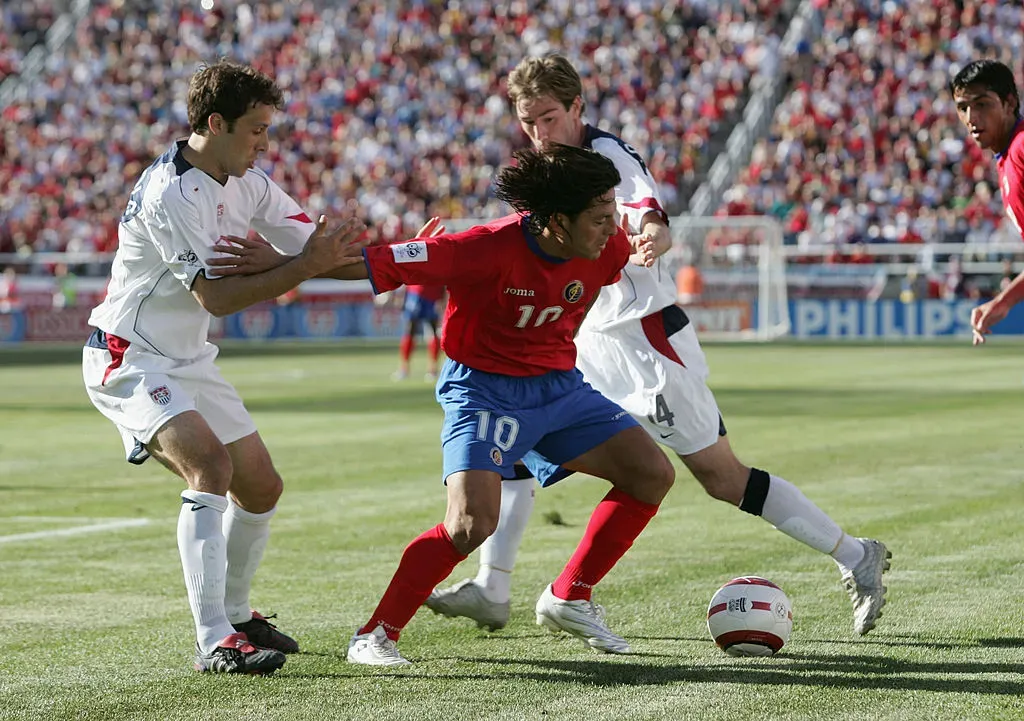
(718, 484)
(260, 492)
(663, 475)
(212, 474)
(469, 532)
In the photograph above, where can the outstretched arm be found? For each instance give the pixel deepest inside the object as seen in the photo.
(326, 249)
(247, 256)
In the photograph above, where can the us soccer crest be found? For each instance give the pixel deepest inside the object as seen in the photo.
(161, 396)
(573, 292)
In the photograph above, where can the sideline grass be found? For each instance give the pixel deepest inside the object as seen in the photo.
(918, 446)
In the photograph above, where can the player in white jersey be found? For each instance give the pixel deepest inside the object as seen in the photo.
(149, 368)
(638, 348)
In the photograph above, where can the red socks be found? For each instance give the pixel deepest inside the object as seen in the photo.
(616, 522)
(431, 557)
(428, 559)
(405, 347)
(433, 350)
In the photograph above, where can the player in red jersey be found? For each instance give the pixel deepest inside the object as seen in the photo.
(519, 287)
(989, 107)
(639, 349)
(419, 308)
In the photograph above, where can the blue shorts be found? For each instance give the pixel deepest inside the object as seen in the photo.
(417, 308)
(491, 421)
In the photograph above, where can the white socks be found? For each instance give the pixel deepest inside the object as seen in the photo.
(204, 562)
(247, 534)
(498, 553)
(790, 511)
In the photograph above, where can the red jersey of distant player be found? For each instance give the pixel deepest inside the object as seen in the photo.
(512, 308)
(1010, 164)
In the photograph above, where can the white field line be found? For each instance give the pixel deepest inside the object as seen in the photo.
(76, 530)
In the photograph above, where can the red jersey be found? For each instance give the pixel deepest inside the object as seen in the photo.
(512, 308)
(430, 293)
(1010, 164)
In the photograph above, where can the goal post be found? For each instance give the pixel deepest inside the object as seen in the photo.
(731, 275)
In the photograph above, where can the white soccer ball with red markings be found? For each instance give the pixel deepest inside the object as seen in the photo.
(750, 616)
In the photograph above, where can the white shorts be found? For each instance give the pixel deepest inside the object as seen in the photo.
(656, 370)
(145, 390)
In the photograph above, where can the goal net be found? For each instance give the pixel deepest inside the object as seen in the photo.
(731, 275)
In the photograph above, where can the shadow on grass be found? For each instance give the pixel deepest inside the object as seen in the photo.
(847, 671)
(844, 671)
(894, 640)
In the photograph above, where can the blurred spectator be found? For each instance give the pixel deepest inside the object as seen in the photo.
(914, 286)
(689, 282)
(66, 293)
(9, 297)
(953, 286)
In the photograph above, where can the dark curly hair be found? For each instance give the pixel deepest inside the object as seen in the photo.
(560, 179)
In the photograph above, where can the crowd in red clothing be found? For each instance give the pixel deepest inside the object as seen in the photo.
(23, 24)
(393, 114)
(867, 146)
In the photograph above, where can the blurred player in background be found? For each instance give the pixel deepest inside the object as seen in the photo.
(420, 311)
(988, 104)
(638, 348)
(519, 288)
(149, 368)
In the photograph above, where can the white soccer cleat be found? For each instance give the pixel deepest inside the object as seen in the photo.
(375, 649)
(583, 619)
(864, 585)
(466, 599)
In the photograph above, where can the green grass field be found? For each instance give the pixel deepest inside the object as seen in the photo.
(919, 446)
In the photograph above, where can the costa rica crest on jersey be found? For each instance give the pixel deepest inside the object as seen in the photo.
(573, 291)
(161, 395)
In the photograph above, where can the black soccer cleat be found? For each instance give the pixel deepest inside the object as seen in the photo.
(261, 632)
(235, 654)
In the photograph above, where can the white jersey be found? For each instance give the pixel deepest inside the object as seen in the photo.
(174, 217)
(640, 291)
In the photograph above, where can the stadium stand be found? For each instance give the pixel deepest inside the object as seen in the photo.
(394, 114)
(866, 147)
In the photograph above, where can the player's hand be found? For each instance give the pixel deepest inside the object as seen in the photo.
(645, 247)
(984, 317)
(244, 256)
(432, 228)
(329, 248)
(643, 251)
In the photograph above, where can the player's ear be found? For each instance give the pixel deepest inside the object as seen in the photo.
(559, 225)
(216, 124)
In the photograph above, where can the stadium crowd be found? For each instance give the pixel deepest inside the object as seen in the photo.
(23, 24)
(867, 147)
(394, 113)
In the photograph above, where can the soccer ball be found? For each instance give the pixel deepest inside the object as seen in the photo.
(750, 616)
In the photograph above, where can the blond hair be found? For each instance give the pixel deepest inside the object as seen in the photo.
(551, 75)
